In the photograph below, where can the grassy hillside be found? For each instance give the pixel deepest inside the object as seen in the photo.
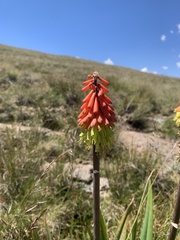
(36, 86)
(44, 92)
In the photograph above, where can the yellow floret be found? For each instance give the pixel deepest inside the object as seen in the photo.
(177, 118)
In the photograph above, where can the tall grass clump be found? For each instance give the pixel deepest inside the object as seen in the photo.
(36, 195)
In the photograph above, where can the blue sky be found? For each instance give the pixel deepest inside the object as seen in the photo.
(138, 34)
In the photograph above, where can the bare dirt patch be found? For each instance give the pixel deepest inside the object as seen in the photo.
(164, 149)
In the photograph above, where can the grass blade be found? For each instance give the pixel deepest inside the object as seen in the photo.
(103, 229)
(35, 235)
(123, 223)
(90, 234)
(147, 229)
(143, 198)
(133, 231)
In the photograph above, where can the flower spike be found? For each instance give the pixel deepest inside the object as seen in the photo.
(97, 117)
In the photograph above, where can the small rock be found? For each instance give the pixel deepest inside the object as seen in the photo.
(83, 173)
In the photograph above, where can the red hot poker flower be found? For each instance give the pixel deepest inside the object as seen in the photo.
(97, 116)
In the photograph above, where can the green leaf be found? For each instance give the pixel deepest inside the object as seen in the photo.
(143, 198)
(133, 231)
(147, 228)
(103, 229)
(122, 226)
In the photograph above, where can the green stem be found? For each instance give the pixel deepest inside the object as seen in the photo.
(96, 193)
(176, 217)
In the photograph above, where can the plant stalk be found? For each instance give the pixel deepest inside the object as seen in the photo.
(96, 194)
(176, 216)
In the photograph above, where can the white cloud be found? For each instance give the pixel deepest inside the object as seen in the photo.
(108, 62)
(165, 67)
(171, 31)
(163, 38)
(178, 27)
(179, 56)
(77, 57)
(144, 69)
(178, 64)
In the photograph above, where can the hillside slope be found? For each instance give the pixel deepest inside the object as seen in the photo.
(33, 83)
(31, 60)
(39, 104)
